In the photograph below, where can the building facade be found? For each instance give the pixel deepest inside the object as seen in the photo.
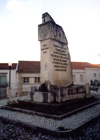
(84, 72)
(4, 79)
(26, 74)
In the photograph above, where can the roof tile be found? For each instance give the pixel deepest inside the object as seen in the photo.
(28, 66)
(83, 65)
(6, 66)
(34, 66)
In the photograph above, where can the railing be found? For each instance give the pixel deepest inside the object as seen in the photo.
(19, 92)
(94, 85)
(4, 84)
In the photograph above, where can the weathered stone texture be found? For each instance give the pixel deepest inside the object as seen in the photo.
(55, 57)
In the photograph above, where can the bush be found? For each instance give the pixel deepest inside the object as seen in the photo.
(61, 128)
(11, 102)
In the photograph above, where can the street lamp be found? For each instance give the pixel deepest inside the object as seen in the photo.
(10, 64)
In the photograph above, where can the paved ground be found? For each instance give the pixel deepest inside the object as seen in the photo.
(14, 132)
(69, 122)
(10, 131)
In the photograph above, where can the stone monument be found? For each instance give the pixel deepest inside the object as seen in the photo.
(56, 71)
(55, 57)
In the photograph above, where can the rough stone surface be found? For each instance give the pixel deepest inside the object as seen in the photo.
(55, 57)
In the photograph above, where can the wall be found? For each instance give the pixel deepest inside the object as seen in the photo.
(88, 75)
(13, 76)
(13, 81)
(25, 87)
(77, 73)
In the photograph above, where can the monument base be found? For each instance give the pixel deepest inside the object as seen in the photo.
(44, 97)
(59, 94)
(9, 93)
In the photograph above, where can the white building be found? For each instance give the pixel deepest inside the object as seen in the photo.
(4, 79)
(84, 72)
(28, 75)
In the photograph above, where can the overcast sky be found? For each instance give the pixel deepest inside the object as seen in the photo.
(19, 20)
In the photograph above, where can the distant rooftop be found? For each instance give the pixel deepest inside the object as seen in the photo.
(83, 65)
(34, 66)
(28, 66)
(6, 66)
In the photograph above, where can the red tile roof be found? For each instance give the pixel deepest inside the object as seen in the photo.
(83, 65)
(5, 66)
(29, 66)
(34, 66)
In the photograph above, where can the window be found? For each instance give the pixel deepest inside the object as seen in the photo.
(37, 79)
(81, 78)
(25, 80)
(94, 74)
(3, 79)
(74, 78)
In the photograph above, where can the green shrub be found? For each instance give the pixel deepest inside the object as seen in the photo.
(13, 102)
(17, 100)
(9, 102)
(61, 128)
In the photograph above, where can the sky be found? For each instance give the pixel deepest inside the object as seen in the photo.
(19, 20)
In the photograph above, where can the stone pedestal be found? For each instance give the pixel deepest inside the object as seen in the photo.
(59, 94)
(9, 93)
(87, 88)
(45, 97)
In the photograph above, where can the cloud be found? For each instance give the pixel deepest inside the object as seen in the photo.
(30, 2)
(15, 5)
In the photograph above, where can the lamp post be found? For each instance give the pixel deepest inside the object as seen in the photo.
(9, 88)
(10, 64)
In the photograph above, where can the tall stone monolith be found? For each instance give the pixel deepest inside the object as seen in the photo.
(56, 70)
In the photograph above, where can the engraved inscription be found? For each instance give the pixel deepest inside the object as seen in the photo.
(44, 45)
(45, 52)
(44, 48)
(59, 58)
